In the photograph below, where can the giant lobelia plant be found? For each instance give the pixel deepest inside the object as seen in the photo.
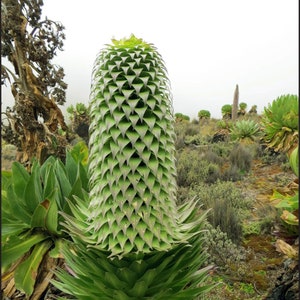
(280, 123)
(131, 241)
(31, 234)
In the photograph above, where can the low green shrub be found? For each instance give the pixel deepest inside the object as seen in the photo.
(228, 206)
(241, 156)
(183, 131)
(221, 190)
(193, 169)
(222, 149)
(240, 159)
(226, 256)
(224, 216)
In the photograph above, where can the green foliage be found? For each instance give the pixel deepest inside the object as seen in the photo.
(224, 254)
(199, 171)
(222, 149)
(224, 215)
(153, 275)
(289, 204)
(294, 161)
(228, 205)
(281, 123)
(242, 106)
(80, 153)
(253, 110)
(203, 114)
(179, 117)
(266, 217)
(244, 130)
(242, 109)
(140, 244)
(79, 109)
(31, 203)
(222, 124)
(240, 160)
(226, 111)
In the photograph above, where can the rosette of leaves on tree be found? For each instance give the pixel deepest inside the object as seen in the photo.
(280, 122)
(136, 243)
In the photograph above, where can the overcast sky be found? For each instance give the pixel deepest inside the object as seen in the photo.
(208, 46)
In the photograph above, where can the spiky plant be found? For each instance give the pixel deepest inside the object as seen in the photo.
(131, 241)
(31, 235)
(244, 130)
(281, 123)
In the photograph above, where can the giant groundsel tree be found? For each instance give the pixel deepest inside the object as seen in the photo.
(131, 241)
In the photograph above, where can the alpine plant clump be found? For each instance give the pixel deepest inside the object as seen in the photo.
(131, 240)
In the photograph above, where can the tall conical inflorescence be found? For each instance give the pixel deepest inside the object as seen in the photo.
(132, 165)
(130, 240)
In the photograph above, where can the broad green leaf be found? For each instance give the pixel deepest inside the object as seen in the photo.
(291, 203)
(33, 189)
(16, 206)
(71, 168)
(20, 178)
(46, 214)
(56, 252)
(113, 281)
(294, 161)
(16, 246)
(82, 173)
(64, 183)
(8, 228)
(80, 153)
(6, 179)
(26, 273)
(52, 215)
(289, 218)
(50, 182)
(139, 289)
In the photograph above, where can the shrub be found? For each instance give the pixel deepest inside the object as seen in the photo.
(241, 158)
(224, 254)
(193, 169)
(183, 131)
(223, 215)
(281, 123)
(222, 149)
(227, 203)
(244, 130)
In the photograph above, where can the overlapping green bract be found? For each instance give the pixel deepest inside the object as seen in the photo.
(132, 166)
(131, 241)
(281, 123)
(172, 274)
